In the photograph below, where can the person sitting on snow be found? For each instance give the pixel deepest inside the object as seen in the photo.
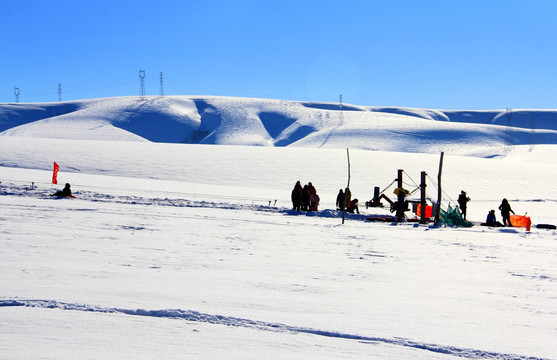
(492, 220)
(65, 192)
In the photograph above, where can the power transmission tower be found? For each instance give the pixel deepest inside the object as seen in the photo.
(141, 84)
(16, 93)
(59, 92)
(162, 92)
(341, 121)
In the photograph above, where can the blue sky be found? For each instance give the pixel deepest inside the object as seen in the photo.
(447, 54)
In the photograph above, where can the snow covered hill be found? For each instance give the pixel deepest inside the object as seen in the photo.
(263, 122)
(176, 249)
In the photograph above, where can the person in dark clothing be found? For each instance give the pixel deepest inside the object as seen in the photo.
(307, 192)
(65, 192)
(462, 203)
(340, 200)
(353, 207)
(305, 199)
(506, 212)
(296, 196)
(492, 220)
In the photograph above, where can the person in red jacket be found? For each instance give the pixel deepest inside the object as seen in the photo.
(313, 202)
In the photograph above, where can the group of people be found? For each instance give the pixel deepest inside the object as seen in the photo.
(491, 219)
(304, 198)
(345, 199)
(506, 211)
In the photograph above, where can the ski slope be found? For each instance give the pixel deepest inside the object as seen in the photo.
(190, 250)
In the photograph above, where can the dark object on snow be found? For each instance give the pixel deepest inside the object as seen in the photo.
(453, 217)
(67, 192)
(340, 200)
(491, 220)
(353, 207)
(314, 202)
(305, 198)
(297, 196)
(462, 201)
(506, 212)
(546, 226)
(381, 218)
(307, 192)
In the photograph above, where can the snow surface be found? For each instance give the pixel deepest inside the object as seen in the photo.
(174, 250)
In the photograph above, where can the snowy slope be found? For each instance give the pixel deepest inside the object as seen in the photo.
(175, 250)
(243, 121)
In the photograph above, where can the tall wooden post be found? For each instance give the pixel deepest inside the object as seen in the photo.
(439, 192)
(400, 201)
(422, 198)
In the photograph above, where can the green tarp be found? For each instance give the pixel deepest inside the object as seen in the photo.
(453, 217)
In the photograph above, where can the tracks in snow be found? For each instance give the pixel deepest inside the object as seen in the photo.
(229, 203)
(195, 316)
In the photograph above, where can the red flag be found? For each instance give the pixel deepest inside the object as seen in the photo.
(55, 173)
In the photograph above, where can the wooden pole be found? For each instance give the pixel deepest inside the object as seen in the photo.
(422, 198)
(400, 201)
(347, 187)
(439, 192)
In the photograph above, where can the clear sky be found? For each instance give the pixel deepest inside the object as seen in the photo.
(447, 54)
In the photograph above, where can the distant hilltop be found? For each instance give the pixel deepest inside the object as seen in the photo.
(266, 122)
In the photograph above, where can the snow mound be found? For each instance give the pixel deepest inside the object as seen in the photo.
(266, 122)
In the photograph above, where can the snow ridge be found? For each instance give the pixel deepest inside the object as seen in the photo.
(267, 122)
(195, 316)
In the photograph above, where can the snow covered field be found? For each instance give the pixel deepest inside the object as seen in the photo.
(192, 251)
